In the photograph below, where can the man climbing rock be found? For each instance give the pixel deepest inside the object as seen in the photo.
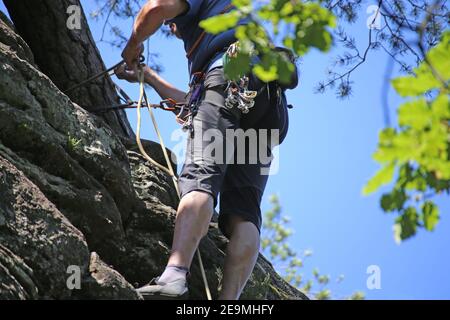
(204, 177)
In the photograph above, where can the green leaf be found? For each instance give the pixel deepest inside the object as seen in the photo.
(241, 3)
(324, 294)
(265, 243)
(430, 74)
(316, 273)
(415, 114)
(235, 67)
(287, 9)
(323, 279)
(406, 224)
(385, 152)
(307, 287)
(382, 177)
(393, 201)
(439, 57)
(413, 86)
(441, 107)
(298, 280)
(358, 295)
(266, 75)
(221, 23)
(268, 69)
(285, 68)
(430, 215)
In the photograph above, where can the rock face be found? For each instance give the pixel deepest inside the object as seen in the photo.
(75, 196)
(67, 56)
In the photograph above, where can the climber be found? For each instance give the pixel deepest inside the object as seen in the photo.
(202, 179)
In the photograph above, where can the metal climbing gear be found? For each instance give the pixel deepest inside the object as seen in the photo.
(189, 110)
(238, 94)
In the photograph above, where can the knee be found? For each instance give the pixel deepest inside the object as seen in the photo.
(199, 206)
(246, 246)
(196, 202)
(249, 249)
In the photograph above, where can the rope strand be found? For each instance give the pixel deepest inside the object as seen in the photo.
(129, 104)
(169, 170)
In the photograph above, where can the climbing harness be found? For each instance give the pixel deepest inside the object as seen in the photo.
(186, 116)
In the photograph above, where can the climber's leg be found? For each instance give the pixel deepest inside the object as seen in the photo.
(242, 253)
(240, 221)
(194, 213)
(191, 225)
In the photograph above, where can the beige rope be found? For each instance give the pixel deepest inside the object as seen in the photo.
(169, 170)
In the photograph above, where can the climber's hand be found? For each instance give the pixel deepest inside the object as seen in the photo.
(123, 73)
(131, 54)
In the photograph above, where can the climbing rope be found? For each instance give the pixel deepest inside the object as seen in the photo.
(143, 98)
(169, 170)
(168, 105)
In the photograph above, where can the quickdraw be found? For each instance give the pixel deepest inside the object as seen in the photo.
(128, 103)
(238, 94)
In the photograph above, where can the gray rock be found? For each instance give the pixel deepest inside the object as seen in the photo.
(106, 283)
(16, 281)
(8, 37)
(37, 242)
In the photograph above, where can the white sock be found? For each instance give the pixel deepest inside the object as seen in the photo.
(173, 273)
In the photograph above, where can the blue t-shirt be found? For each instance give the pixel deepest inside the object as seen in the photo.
(211, 45)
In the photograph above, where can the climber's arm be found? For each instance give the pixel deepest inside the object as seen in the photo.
(147, 22)
(164, 88)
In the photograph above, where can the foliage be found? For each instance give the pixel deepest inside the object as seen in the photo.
(392, 27)
(417, 153)
(73, 143)
(305, 24)
(275, 234)
(123, 10)
(308, 24)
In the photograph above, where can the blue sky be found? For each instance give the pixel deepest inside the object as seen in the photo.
(324, 163)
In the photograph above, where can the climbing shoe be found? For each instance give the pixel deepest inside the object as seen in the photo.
(160, 290)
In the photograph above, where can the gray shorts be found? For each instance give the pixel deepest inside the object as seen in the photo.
(217, 165)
